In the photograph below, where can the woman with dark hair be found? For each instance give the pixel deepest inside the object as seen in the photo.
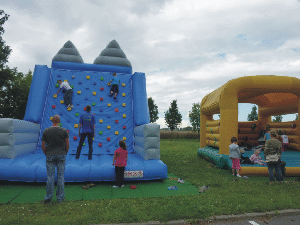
(120, 161)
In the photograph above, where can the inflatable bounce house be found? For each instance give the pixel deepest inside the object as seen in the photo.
(127, 118)
(274, 95)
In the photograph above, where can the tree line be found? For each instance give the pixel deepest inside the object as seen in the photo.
(14, 85)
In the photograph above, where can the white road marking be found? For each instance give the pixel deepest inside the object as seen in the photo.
(253, 223)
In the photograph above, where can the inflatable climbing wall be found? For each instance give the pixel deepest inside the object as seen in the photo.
(126, 118)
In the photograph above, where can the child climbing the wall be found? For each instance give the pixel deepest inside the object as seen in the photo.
(65, 86)
(255, 158)
(120, 161)
(114, 86)
(235, 155)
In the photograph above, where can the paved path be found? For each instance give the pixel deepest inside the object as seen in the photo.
(282, 217)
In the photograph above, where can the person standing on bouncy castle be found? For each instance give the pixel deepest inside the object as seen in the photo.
(235, 155)
(68, 93)
(87, 122)
(55, 145)
(114, 86)
(120, 161)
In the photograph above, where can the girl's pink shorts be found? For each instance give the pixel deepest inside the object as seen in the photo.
(236, 163)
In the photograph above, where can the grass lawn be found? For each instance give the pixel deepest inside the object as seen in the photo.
(225, 195)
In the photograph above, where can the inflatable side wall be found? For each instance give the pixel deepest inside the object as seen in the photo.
(147, 141)
(17, 137)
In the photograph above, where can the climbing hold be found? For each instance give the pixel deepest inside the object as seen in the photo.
(109, 104)
(124, 115)
(94, 92)
(72, 86)
(57, 85)
(124, 127)
(101, 121)
(116, 121)
(75, 125)
(116, 132)
(108, 138)
(84, 109)
(101, 99)
(51, 118)
(123, 94)
(108, 84)
(102, 78)
(65, 80)
(88, 77)
(55, 96)
(83, 144)
(69, 108)
(76, 114)
(102, 89)
(61, 101)
(108, 127)
(124, 104)
(100, 132)
(53, 106)
(79, 82)
(124, 138)
(93, 104)
(116, 145)
(123, 84)
(100, 144)
(75, 138)
(79, 92)
(101, 109)
(94, 83)
(86, 98)
(73, 76)
(116, 110)
(60, 124)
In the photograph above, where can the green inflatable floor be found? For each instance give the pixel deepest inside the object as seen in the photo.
(17, 192)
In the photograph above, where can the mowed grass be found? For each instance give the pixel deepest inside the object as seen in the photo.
(225, 195)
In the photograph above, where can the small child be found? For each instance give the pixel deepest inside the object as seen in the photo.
(114, 90)
(235, 155)
(120, 161)
(255, 158)
(285, 142)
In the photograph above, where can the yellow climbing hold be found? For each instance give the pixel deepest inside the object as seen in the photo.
(79, 92)
(88, 77)
(116, 132)
(75, 125)
(62, 102)
(123, 94)
(94, 92)
(101, 121)
(108, 127)
(124, 115)
(123, 84)
(55, 96)
(124, 104)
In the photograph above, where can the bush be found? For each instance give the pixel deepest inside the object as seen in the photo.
(179, 135)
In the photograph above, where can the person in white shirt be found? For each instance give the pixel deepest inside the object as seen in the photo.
(285, 142)
(68, 93)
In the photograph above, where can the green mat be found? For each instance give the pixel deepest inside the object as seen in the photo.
(17, 192)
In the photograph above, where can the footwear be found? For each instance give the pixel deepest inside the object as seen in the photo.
(115, 186)
(85, 187)
(122, 186)
(76, 157)
(59, 202)
(71, 106)
(238, 175)
(46, 201)
(180, 180)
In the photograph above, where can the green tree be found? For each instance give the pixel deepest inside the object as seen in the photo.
(253, 115)
(194, 116)
(278, 118)
(297, 116)
(153, 110)
(172, 116)
(5, 50)
(14, 95)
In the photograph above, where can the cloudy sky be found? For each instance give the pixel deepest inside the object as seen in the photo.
(186, 48)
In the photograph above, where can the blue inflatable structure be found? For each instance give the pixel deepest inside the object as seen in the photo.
(127, 118)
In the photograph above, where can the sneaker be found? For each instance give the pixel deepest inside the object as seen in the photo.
(115, 186)
(180, 180)
(46, 201)
(122, 186)
(71, 106)
(238, 175)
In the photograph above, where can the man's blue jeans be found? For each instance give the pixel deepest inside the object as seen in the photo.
(277, 167)
(53, 161)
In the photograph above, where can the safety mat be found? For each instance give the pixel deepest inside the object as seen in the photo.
(20, 192)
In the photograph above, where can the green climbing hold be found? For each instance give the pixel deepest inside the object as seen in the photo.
(57, 85)
(100, 132)
(102, 78)
(76, 114)
(93, 104)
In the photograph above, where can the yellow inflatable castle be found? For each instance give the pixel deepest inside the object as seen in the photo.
(274, 95)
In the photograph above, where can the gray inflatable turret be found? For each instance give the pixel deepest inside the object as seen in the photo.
(113, 55)
(68, 53)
